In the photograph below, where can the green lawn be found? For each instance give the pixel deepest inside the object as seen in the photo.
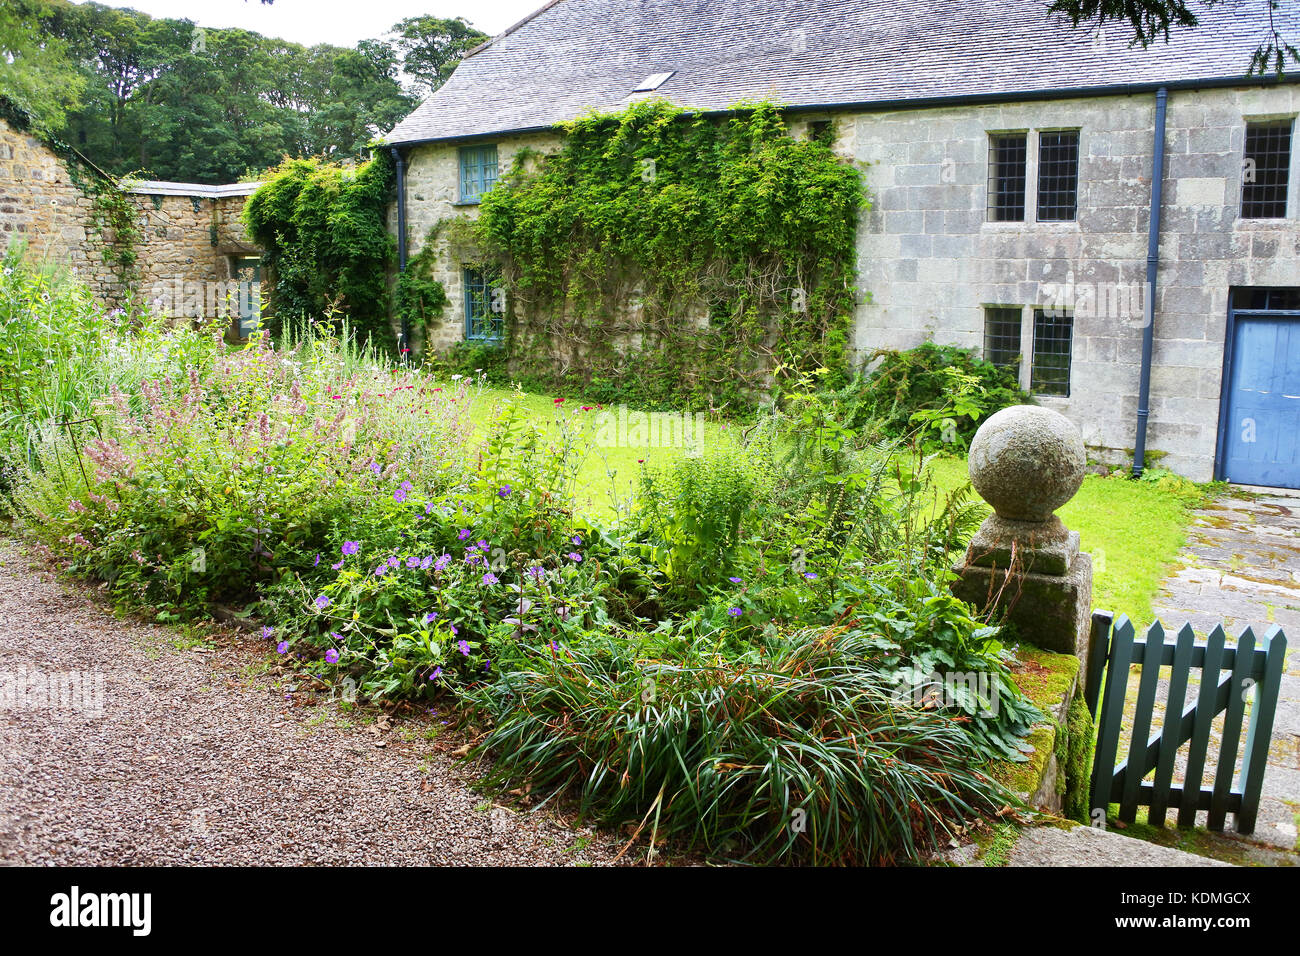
(606, 471)
(1133, 530)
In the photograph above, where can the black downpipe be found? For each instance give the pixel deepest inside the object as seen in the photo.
(400, 162)
(1153, 264)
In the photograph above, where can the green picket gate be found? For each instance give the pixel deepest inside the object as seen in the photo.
(1228, 674)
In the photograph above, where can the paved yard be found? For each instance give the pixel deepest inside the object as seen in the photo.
(1241, 566)
(211, 757)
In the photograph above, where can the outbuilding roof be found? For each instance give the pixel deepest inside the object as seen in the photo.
(572, 56)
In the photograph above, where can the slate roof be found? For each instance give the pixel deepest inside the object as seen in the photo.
(575, 55)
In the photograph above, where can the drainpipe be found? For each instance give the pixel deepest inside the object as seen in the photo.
(1153, 263)
(400, 162)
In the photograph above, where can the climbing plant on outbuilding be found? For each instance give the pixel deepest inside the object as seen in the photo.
(675, 258)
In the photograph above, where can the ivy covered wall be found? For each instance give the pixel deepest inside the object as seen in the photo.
(657, 256)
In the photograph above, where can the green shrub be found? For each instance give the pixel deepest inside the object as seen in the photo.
(804, 754)
(943, 392)
(324, 235)
(209, 485)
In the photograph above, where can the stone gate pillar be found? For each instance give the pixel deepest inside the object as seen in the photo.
(1023, 564)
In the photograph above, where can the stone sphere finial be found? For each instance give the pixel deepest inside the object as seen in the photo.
(1026, 461)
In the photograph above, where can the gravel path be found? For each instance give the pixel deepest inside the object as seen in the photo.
(210, 755)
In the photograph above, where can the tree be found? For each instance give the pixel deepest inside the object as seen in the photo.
(431, 48)
(36, 71)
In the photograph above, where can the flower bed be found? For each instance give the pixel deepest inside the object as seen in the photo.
(742, 658)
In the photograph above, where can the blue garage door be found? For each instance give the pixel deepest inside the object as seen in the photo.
(1261, 432)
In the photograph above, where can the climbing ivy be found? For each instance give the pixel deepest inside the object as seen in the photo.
(672, 258)
(113, 218)
(322, 228)
(418, 298)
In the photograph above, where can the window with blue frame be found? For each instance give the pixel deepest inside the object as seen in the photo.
(478, 171)
(484, 307)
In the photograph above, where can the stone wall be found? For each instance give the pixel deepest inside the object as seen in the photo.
(189, 234)
(432, 198)
(42, 207)
(931, 261)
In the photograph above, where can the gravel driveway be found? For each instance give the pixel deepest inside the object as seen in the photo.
(209, 755)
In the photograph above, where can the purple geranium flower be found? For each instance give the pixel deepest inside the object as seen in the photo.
(266, 633)
(490, 578)
(393, 562)
(810, 576)
(322, 602)
(504, 492)
(282, 647)
(464, 647)
(463, 533)
(428, 618)
(412, 562)
(734, 611)
(316, 563)
(426, 563)
(574, 556)
(537, 571)
(379, 571)
(437, 672)
(351, 547)
(337, 566)
(577, 540)
(442, 562)
(332, 656)
(399, 495)
(735, 580)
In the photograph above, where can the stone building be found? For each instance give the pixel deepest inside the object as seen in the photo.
(1009, 159)
(193, 258)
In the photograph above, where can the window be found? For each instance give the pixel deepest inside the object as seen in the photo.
(478, 171)
(1266, 170)
(819, 131)
(484, 307)
(1007, 152)
(1053, 333)
(1058, 175)
(1002, 336)
(1264, 299)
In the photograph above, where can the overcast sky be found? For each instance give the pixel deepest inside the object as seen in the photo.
(340, 22)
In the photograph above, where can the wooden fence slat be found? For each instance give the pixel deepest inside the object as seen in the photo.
(1255, 757)
(1201, 729)
(1135, 770)
(1228, 740)
(1112, 714)
(1098, 648)
(1180, 668)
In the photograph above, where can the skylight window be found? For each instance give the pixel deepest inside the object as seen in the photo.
(652, 82)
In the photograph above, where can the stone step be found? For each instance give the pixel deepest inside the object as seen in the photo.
(1093, 846)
